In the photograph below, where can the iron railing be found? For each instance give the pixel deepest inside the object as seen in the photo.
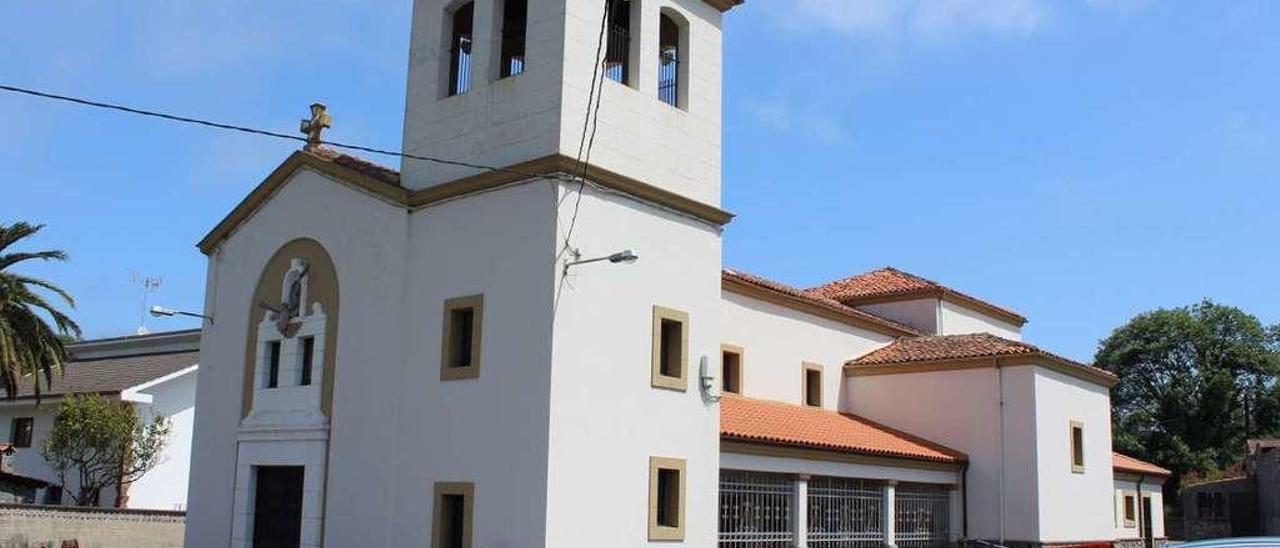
(617, 57)
(669, 77)
(922, 515)
(756, 510)
(845, 513)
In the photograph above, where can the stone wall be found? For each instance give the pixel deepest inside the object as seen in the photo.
(28, 526)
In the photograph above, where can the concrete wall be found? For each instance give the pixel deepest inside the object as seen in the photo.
(776, 341)
(23, 526)
(165, 486)
(607, 420)
(955, 319)
(1073, 506)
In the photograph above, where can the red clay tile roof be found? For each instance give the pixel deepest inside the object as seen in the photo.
(943, 348)
(735, 276)
(890, 283)
(365, 167)
(752, 420)
(1125, 463)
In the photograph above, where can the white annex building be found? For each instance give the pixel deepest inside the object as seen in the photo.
(431, 357)
(155, 373)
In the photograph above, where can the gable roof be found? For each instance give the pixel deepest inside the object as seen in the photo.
(781, 294)
(761, 421)
(385, 183)
(113, 365)
(1125, 463)
(941, 349)
(890, 284)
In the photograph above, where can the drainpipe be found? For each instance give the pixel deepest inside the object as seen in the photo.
(1000, 385)
(1137, 510)
(964, 501)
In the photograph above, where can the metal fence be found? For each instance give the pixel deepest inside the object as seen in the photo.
(756, 510)
(669, 77)
(922, 515)
(845, 513)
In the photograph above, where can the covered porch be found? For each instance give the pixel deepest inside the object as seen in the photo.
(793, 476)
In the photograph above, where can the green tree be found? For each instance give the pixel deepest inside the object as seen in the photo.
(1195, 383)
(28, 344)
(102, 443)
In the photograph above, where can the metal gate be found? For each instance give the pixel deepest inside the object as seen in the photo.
(845, 513)
(756, 510)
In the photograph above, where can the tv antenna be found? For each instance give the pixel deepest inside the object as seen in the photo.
(149, 285)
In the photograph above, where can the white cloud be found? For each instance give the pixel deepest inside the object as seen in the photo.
(933, 19)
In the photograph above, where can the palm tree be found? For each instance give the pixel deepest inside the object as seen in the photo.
(28, 345)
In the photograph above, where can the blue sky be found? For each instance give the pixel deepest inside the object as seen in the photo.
(1079, 161)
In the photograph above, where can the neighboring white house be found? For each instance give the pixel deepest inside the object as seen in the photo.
(455, 357)
(156, 373)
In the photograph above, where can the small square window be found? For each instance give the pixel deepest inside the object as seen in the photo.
(1077, 447)
(670, 348)
(452, 522)
(273, 364)
(460, 357)
(23, 428)
(730, 369)
(308, 356)
(666, 498)
(812, 384)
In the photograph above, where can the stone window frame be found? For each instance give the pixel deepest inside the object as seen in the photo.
(472, 371)
(739, 351)
(805, 368)
(658, 379)
(465, 489)
(1074, 449)
(659, 532)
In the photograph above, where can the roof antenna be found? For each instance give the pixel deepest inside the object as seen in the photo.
(149, 285)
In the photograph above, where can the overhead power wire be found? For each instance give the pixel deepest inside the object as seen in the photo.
(591, 120)
(268, 133)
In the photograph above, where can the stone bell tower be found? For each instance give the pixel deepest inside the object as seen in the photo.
(500, 82)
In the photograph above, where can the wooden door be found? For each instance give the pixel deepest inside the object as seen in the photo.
(277, 507)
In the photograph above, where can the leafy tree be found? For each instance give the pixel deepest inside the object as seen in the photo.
(102, 443)
(28, 344)
(1195, 383)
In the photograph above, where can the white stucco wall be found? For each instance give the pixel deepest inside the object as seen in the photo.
(607, 420)
(961, 409)
(955, 319)
(396, 428)
(165, 486)
(777, 341)
(921, 314)
(27, 460)
(1073, 506)
(1150, 487)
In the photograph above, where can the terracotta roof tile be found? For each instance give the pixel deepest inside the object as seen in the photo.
(1125, 463)
(943, 348)
(829, 304)
(890, 282)
(365, 167)
(752, 420)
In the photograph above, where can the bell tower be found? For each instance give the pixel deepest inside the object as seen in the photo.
(501, 82)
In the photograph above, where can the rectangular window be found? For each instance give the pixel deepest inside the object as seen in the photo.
(1077, 447)
(460, 49)
(515, 15)
(730, 369)
(22, 429)
(1130, 510)
(666, 498)
(617, 57)
(812, 384)
(463, 320)
(670, 348)
(668, 60)
(308, 356)
(454, 504)
(273, 364)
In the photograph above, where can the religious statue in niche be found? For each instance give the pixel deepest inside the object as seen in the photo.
(291, 306)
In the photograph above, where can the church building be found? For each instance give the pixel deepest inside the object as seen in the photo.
(525, 337)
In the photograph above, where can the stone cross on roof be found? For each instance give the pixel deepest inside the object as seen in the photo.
(314, 128)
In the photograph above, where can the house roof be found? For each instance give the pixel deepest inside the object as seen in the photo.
(1125, 463)
(890, 284)
(112, 375)
(951, 348)
(785, 295)
(761, 421)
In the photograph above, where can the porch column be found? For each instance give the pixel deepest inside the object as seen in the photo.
(957, 513)
(890, 513)
(800, 512)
